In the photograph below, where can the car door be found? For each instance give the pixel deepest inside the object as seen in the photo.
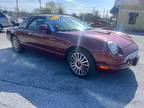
(22, 32)
(28, 32)
(34, 37)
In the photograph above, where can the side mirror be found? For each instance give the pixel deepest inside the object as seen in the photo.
(45, 28)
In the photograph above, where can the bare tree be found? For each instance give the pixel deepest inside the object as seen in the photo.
(51, 8)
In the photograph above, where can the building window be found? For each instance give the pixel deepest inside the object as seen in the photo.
(132, 18)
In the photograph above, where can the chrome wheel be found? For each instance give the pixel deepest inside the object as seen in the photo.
(16, 43)
(79, 64)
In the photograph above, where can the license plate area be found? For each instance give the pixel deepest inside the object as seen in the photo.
(135, 61)
(131, 57)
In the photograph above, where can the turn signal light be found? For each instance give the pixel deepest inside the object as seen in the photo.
(104, 67)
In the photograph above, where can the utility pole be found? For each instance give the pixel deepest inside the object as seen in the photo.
(40, 5)
(104, 14)
(17, 9)
(94, 11)
(94, 14)
(107, 14)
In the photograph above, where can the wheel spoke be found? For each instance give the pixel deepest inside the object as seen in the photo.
(73, 65)
(75, 68)
(81, 57)
(85, 62)
(84, 67)
(15, 43)
(73, 57)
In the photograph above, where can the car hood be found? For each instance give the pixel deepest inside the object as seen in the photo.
(123, 40)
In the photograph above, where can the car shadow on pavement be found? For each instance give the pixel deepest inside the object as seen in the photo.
(47, 82)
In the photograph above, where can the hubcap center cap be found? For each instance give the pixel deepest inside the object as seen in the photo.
(79, 64)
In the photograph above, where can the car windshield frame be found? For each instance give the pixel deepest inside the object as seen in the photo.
(71, 24)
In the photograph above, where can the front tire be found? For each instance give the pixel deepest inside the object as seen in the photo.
(81, 62)
(16, 44)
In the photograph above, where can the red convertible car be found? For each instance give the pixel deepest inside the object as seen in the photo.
(85, 48)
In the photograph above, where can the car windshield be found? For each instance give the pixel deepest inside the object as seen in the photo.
(61, 23)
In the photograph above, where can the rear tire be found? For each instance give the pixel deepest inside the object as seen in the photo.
(1, 28)
(16, 44)
(81, 62)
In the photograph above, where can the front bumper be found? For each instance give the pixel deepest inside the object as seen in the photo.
(131, 60)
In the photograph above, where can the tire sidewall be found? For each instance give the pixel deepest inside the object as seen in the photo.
(1, 28)
(12, 41)
(90, 60)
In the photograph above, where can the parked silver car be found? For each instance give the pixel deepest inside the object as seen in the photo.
(4, 21)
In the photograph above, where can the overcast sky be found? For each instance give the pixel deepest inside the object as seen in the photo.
(71, 6)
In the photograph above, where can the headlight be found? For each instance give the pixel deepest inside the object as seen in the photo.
(113, 47)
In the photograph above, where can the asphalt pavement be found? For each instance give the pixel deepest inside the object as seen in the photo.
(35, 80)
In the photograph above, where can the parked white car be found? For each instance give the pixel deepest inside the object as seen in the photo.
(4, 21)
